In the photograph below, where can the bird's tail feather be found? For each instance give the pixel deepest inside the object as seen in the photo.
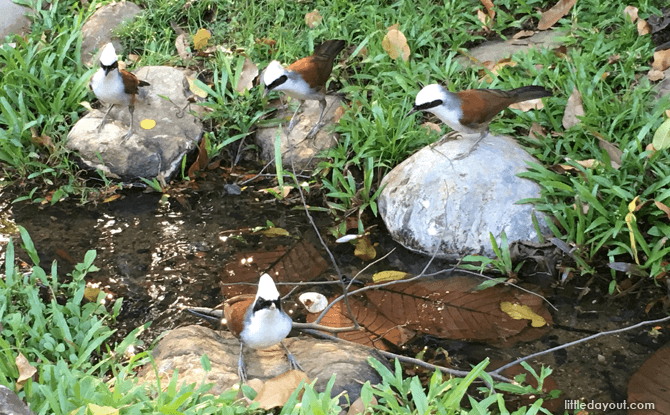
(529, 92)
(330, 48)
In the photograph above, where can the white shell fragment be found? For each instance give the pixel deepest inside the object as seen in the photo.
(313, 302)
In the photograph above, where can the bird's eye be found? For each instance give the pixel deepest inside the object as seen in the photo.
(429, 105)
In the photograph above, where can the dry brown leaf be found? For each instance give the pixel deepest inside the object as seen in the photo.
(655, 75)
(313, 19)
(494, 68)
(395, 44)
(365, 250)
(573, 109)
(643, 27)
(531, 104)
(339, 112)
(661, 60)
(631, 11)
(588, 163)
(393, 27)
(26, 371)
(650, 384)
(489, 8)
(182, 46)
(486, 20)
(133, 57)
(537, 131)
(453, 308)
(358, 407)
(249, 73)
(431, 126)
(200, 163)
(276, 391)
(612, 151)
(614, 59)
(553, 15)
(522, 34)
(663, 207)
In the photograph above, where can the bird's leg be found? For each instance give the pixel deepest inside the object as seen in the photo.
(241, 369)
(463, 155)
(317, 127)
(294, 120)
(293, 364)
(104, 117)
(131, 108)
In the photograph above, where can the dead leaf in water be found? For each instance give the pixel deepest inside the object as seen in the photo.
(385, 276)
(553, 15)
(364, 249)
(522, 312)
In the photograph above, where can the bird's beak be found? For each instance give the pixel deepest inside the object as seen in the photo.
(265, 92)
(108, 69)
(412, 111)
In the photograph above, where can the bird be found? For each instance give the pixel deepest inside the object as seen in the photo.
(115, 86)
(304, 79)
(263, 324)
(472, 110)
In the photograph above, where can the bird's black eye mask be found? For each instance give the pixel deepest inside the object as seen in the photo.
(109, 68)
(276, 82)
(263, 303)
(428, 105)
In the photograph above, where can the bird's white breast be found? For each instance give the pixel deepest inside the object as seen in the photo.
(110, 88)
(266, 328)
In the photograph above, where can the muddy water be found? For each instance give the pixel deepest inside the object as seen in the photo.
(163, 255)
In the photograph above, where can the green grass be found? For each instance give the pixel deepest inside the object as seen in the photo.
(43, 83)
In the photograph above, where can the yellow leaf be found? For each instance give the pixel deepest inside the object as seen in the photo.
(395, 44)
(385, 276)
(201, 38)
(91, 294)
(630, 218)
(522, 312)
(272, 232)
(94, 409)
(364, 249)
(147, 123)
(195, 89)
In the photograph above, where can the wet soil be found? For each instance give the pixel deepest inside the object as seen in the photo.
(163, 255)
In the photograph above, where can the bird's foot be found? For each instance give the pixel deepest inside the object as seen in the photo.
(467, 153)
(293, 364)
(452, 135)
(314, 131)
(294, 121)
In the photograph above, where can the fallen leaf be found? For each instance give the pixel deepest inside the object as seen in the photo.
(181, 43)
(91, 293)
(313, 302)
(393, 27)
(522, 34)
(385, 276)
(249, 73)
(531, 104)
(313, 19)
(395, 44)
(273, 232)
(485, 19)
(200, 163)
(431, 126)
(573, 109)
(613, 152)
(649, 384)
(147, 124)
(197, 91)
(489, 8)
(26, 371)
(133, 57)
(661, 60)
(359, 408)
(494, 68)
(561, 51)
(663, 207)
(631, 11)
(614, 59)
(661, 139)
(522, 312)
(643, 27)
(630, 218)
(537, 131)
(632, 269)
(276, 391)
(94, 409)
(553, 15)
(201, 38)
(655, 75)
(111, 198)
(339, 112)
(364, 249)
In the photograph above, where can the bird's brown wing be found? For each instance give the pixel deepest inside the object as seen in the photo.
(479, 106)
(315, 71)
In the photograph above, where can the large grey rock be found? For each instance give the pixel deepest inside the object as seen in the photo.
(147, 153)
(11, 404)
(182, 348)
(13, 19)
(295, 146)
(433, 203)
(496, 50)
(98, 30)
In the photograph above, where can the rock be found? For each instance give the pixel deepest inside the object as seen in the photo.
(434, 203)
(98, 30)
(12, 404)
(13, 19)
(182, 348)
(497, 50)
(147, 153)
(294, 146)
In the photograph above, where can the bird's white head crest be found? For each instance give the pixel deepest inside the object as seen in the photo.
(267, 289)
(108, 55)
(430, 93)
(273, 72)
